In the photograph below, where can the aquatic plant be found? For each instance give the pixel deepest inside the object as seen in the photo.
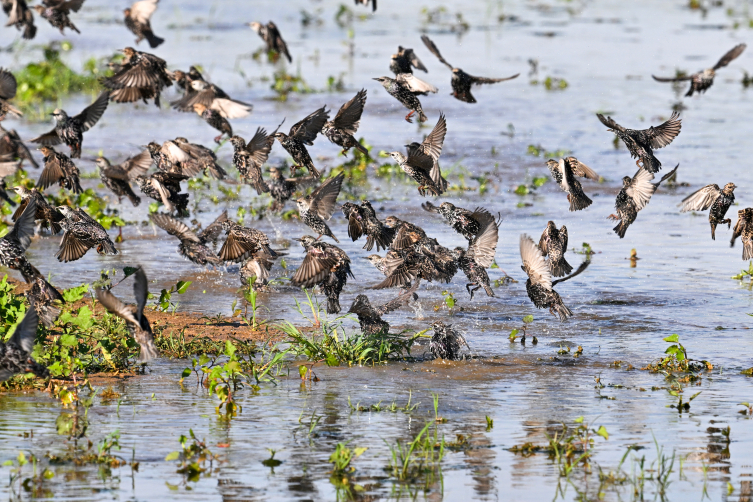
(514, 333)
(392, 408)
(284, 83)
(551, 83)
(342, 457)
(34, 483)
(418, 460)
(193, 457)
(165, 298)
(49, 80)
(677, 359)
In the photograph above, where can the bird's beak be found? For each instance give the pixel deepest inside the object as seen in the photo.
(374, 79)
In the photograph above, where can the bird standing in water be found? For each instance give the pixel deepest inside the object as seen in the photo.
(462, 82)
(370, 317)
(446, 341)
(702, 80)
(133, 314)
(712, 197)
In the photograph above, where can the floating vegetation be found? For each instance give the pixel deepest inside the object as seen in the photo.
(284, 83)
(677, 359)
(194, 457)
(442, 18)
(418, 461)
(540, 151)
(42, 84)
(552, 83)
(531, 186)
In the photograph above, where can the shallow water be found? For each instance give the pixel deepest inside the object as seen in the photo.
(606, 52)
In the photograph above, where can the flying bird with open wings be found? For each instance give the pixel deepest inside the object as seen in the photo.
(317, 207)
(301, 134)
(712, 197)
(462, 82)
(702, 80)
(564, 172)
(341, 129)
(137, 20)
(641, 143)
(422, 161)
(635, 194)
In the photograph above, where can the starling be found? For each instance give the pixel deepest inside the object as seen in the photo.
(190, 159)
(117, 178)
(366, 3)
(271, 36)
(200, 91)
(20, 16)
(325, 265)
(711, 197)
(243, 242)
(256, 268)
(46, 300)
(57, 12)
(318, 206)
(362, 220)
(564, 172)
(704, 79)
(45, 212)
(634, 196)
(82, 232)
(642, 142)
(539, 284)
(190, 246)
(137, 21)
(370, 317)
(744, 230)
(133, 315)
(212, 232)
(467, 223)
(11, 144)
(214, 119)
(8, 87)
(140, 76)
(461, 82)
(249, 157)
(70, 130)
(58, 168)
(281, 188)
(405, 88)
(405, 60)
(183, 80)
(301, 134)
(553, 243)
(446, 342)
(428, 260)
(340, 131)
(165, 187)
(381, 263)
(421, 164)
(480, 254)
(15, 243)
(15, 354)
(406, 234)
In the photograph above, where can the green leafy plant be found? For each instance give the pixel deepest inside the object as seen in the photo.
(193, 457)
(419, 459)
(164, 303)
(343, 456)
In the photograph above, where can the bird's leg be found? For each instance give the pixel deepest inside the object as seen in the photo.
(613, 217)
(344, 152)
(320, 236)
(639, 163)
(119, 238)
(218, 139)
(422, 190)
(408, 117)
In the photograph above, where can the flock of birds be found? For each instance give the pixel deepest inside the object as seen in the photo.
(411, 255)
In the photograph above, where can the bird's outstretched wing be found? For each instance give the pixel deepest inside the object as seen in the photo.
(26, 331)
(607, 121)
(731, 55)
(534, 264)
(307, 129)
(672, 79)
(92, 113)
(324, 197)
(174, 227)
(415, 84)
(663, 134)
(701, 199)
(433, 49)
(349, 116)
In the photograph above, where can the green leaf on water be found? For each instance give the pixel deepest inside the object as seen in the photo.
(603, 432)
(528, 319)
(672, 338)
(578, 420)
(521, 190)
(172, 456)
(182, 286)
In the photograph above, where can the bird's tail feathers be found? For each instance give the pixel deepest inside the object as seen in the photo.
(560, 267)
(579, 201)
